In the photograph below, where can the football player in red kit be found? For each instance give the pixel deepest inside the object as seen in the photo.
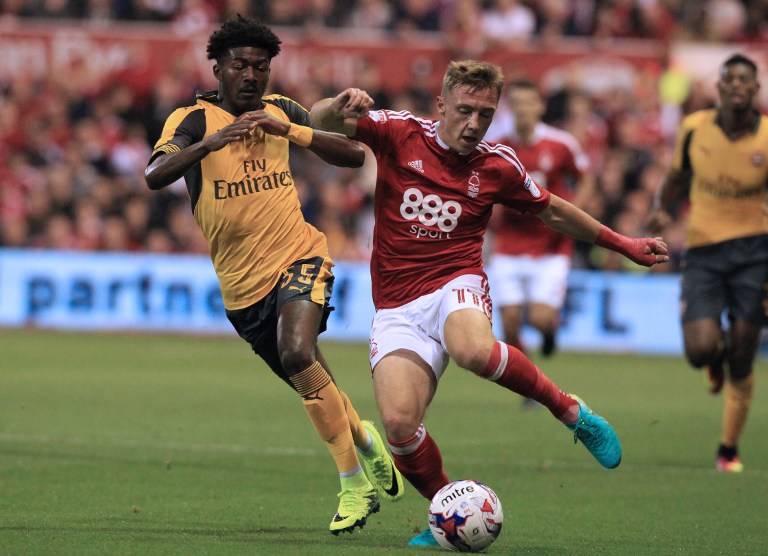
(530, 263)
(436, 186)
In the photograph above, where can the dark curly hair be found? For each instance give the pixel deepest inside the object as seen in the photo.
(243, 31)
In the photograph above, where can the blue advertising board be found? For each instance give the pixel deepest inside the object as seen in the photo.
(179, 293)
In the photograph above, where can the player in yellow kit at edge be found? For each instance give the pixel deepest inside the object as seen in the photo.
(231, 147)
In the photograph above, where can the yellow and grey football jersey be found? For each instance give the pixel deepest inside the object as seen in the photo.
(244, 199)
(730, 178)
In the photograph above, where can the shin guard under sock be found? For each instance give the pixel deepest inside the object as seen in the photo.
(510, 368)
(419, 460)
(325, 407)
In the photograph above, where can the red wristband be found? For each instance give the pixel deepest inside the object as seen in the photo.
(611, 240)
(632, 248)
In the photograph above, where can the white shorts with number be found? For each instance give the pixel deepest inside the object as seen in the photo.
(418, 325)
(521, 280)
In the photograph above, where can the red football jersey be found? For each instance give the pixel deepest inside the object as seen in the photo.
(553, 158)
(432, 205)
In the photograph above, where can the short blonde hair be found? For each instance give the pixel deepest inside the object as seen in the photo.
(476, 74)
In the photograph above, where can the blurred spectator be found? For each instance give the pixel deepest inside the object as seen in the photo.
(580, 18)
(416, 15)
(58, 233)
(137, 212)
(58, 9)
(89, 224)
(656, 20)
(158, 241)
(755, 26)
(371, 14)
(725, 20)
(155, 10)
(507, 23)
(14, 232)
(193, 16)
(284, 12)
(130, 152)
(462, 28)
(327, 13)
(582, 120)
(170, 92)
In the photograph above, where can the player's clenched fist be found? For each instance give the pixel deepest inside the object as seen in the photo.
(352, 103)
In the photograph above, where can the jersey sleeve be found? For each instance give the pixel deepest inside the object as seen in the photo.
(532, 198)
(377, 130)
(184, 127)
(517, 189)
(296, 113)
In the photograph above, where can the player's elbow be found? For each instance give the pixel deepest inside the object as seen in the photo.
(350, 155)
(356, 156)
(152, 180)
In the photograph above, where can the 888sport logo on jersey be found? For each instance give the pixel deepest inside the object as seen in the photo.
(433, 218)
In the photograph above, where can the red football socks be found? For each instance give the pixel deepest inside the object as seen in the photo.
(510, 368)
(419, 460)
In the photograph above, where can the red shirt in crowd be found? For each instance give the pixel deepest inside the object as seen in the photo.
(555, 160)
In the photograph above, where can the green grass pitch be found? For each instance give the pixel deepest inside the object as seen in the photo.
(166, 445)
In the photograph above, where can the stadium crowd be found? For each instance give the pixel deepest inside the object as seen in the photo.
(489, 21)
(73, 147)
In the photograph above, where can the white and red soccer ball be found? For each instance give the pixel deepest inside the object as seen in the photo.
(465, 516)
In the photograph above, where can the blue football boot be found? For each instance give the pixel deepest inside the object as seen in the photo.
(597, 435)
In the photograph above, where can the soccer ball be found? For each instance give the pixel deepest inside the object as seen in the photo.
(465, 516)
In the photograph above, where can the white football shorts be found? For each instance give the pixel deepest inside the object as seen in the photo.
(521, 280)
(418, 325)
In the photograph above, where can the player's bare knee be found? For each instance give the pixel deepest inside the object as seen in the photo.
(471, 355)
(295, 358)
(698, 359)
(398, 425)
(741, 361)
(700, 354)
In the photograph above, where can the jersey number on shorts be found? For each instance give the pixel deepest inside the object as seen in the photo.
(430, 210)
(308, 274)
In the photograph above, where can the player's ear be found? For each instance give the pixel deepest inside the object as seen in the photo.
(440, 106)
(217, 72)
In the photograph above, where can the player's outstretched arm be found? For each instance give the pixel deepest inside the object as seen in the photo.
(337, 149)
(568, 219)
(340, 114)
